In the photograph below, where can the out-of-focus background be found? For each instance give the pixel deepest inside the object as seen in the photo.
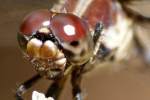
(130, 82)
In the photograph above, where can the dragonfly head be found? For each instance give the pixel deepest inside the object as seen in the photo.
(50, 40)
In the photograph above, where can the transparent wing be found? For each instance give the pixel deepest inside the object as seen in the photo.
(60, 6)
(138, 11)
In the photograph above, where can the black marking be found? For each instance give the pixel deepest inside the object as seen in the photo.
(47, 36)
(74, 43)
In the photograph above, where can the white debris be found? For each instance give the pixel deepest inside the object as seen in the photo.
(40, 96)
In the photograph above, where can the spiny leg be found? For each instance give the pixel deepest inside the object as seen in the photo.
(100, 50)
(97, 38)
(25, 86)
(97, 31)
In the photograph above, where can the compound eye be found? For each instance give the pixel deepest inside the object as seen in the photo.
(68, 27)
(34, 21)
(31, 24)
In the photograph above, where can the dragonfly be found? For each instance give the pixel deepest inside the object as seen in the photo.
(67, 41)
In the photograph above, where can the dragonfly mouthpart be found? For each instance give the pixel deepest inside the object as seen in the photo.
(50, 68)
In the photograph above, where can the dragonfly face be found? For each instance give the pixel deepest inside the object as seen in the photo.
(51, 40)
(60, 43)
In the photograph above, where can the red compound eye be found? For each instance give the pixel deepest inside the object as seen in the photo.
(68, 27)
(34, 21)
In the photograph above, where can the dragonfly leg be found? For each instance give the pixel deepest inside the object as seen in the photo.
(76, 81)
(55, 88)
(25, 86)
(100, 51)
(97, 31)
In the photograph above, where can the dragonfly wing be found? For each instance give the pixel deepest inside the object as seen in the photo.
(138, 11)
(60, 6)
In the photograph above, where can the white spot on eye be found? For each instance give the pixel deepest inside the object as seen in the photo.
(69, 30)
(46, 23)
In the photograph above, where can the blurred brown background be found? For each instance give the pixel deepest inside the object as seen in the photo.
(130, 82)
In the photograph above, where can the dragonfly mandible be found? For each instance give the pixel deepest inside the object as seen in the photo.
(70, 37)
